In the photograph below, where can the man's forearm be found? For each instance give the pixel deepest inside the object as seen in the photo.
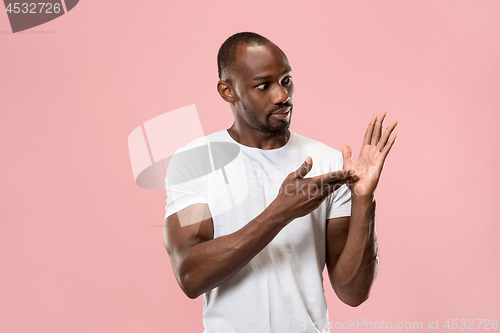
(206, 265)
(357, 266)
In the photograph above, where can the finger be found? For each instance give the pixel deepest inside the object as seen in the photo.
(388, 146)
(387, 133)
(320, 191)
(330, 188)
(304, 168)
(333, 177)
(377, 132)
(347, 157)
(369, 131)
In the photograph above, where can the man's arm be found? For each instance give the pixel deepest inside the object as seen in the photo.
(352, 248)
(352, 253)
(201, 262)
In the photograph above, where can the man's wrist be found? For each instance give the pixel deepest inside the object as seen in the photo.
(363, 205)
(363, 199)
(275, 214)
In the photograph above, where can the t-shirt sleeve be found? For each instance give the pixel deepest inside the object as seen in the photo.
(340, 200)
(340, 204)
(184, 182)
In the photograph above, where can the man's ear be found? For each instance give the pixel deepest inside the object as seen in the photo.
(226, 91)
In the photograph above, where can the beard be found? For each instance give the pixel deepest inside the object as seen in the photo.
(272, 131)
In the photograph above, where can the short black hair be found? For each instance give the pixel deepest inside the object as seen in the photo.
(227, 52)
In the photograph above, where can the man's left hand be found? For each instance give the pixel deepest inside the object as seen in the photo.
(368, 167)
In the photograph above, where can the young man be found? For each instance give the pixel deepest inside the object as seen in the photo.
(254, 236)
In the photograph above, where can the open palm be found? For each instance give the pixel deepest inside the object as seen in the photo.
(368, 167)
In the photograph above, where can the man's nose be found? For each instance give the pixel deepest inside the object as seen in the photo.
(280, 96)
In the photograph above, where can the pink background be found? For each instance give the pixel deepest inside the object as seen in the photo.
(81, 246)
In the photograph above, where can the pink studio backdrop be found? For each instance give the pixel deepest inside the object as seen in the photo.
(81, 245)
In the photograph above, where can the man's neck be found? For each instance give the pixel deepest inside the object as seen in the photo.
(258, 140)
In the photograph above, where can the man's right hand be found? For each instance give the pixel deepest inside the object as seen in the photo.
(298, 196)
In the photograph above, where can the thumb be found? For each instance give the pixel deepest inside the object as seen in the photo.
(347, 157)
(304, 168)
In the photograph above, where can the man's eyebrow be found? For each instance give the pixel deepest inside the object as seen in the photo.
(267, 77)
(258, 78)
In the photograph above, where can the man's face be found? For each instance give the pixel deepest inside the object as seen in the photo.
(262, 81)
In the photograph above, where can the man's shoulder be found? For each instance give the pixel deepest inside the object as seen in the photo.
(195, 159)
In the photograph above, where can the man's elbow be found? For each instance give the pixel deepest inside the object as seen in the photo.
(190, 294)
(354, 301)
(188, 286)
(351, 298)
(185, 277)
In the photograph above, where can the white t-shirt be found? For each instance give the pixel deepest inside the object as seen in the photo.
(281, 288)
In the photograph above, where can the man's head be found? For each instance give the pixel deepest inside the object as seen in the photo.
(255, 78)
(227, 52)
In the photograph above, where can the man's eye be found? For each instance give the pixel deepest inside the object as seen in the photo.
(262, 86)
(287, 80)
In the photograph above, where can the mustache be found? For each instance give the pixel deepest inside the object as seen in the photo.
(281, 107)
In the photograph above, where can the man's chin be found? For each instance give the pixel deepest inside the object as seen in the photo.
(278, 131)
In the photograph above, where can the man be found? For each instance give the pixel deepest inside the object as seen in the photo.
(258, 261)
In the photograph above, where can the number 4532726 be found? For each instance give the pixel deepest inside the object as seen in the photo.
(33, 8)
(470, 324)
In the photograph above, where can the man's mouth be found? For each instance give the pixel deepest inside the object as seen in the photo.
(282, 113)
